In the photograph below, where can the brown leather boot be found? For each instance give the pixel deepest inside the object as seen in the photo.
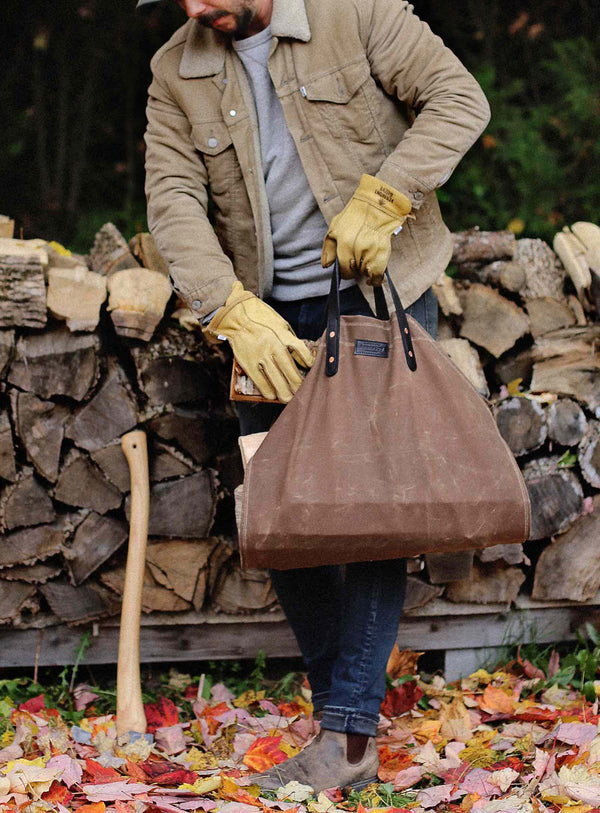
(324, 764)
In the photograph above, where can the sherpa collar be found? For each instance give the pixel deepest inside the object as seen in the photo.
(204, 52)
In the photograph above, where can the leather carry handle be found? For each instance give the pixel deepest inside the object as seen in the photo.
(382, 312)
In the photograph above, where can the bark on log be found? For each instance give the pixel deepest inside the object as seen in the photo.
(22, 292)
(449, 567)
(110, 413)
(31, 545)
(82, 484)
(155, 597)
(466, 358)
(25, 502)
(41, 428)
(76, 605)
(75, 295)
(556, 497)
(589, 454)
(489, 584)
(32, 574)
(55, 363)
(491, 321)
(566, 422)
(8, 470)
(111, 252)
(547, 314)
(145, 251)
(522, 424)
(137, 301)
(569, 568)
(7, 348)
(545, 275)
(95, 540)
(476, 246)
(183, 508)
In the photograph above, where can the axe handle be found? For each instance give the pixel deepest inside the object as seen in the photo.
(130, 709)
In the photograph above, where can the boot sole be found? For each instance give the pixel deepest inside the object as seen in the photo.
(362, 784)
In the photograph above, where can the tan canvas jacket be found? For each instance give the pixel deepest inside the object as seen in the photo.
(365, 87)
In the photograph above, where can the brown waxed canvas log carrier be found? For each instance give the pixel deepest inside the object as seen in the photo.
(386, 451)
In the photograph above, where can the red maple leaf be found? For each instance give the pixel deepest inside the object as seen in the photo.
(401, 698)
(160, 714)
(57, 792)
(264, 753)
(34, 705)
(98, 775)
(162, 772)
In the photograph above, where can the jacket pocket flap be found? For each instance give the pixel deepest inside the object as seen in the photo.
(211, 137)
(338, 86)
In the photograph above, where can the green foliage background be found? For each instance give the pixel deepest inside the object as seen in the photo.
(74, 88)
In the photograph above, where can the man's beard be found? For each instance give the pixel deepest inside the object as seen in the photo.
(243, 19)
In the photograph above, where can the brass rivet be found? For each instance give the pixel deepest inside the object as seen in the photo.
(332, 334)
(406, 330)
(410, 352)
(331, 359)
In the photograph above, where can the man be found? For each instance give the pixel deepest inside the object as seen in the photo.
(304, 120)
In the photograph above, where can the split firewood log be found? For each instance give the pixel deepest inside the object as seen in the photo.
(419, 593)
(113, 463)
(566, 422)
(449, 567)
(82, 484)
(183, 508)
(145, 251)
(56, 362)
(547, 313)
(95, 541)
(14, 247)
(31, 545)
(545, 275)
(7, 227)
(167, 463)
(466, 358)
(446, 295)
(475, 246)
(492, 321)
(76, 296)
(566, 362)
(588, 454)
(505, 274)
(492, 583)
(522, 424)
(137, 301)
(512, 554)
(188, 430)
(77, 605)
(569, 568)
(155, 597)
(41, 427)
(7, 348)
(8, 469)
(576, 307)
(110, 252)
(111, 412)
(556, 497)
(181, 565)
(22, 291)
(39, 573)
(14, 598)
(243, 591)
(25, 502)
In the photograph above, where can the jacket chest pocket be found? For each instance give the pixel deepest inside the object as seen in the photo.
(345, 98)
(213, 140)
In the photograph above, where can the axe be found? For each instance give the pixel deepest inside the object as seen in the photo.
(130, 710)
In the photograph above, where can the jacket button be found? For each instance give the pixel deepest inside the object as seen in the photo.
(233, 113)
(196, 304)
(417, 195)
(212, 142)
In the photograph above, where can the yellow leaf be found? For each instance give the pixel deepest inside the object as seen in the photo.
(7, 738)
(248, 698)
(428, 730)
(516, 225)
(288, 749)
(204, 784)
(198, 760)
(64, 252)
(513, 387)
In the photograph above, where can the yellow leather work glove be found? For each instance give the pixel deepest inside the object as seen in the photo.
(263, 343)
(361, 234)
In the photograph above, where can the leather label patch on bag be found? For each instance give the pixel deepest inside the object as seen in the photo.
(365, 347)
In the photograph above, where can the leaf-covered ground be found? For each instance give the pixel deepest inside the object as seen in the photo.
(519, 739)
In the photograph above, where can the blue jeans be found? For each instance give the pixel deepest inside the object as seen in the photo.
(345, 619)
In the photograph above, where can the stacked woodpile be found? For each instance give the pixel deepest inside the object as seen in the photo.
(94, 346)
